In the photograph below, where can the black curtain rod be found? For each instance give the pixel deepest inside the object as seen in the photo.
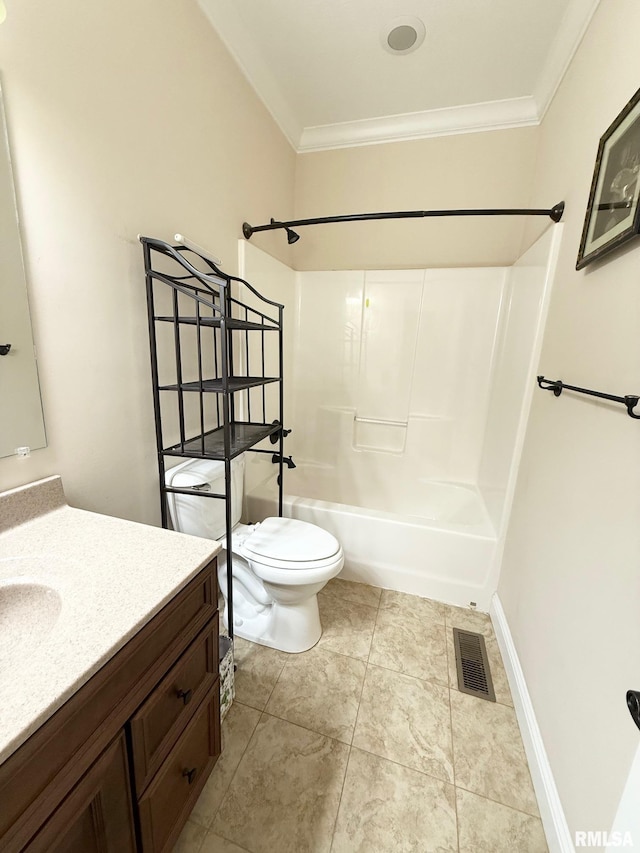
(555, 213)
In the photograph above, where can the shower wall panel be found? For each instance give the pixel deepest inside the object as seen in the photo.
(390, 318)
(392, 372)
(276, 281)
(455, 352)
(520, 338)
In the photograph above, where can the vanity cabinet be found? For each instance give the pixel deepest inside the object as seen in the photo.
(97, 815)
(119, 766)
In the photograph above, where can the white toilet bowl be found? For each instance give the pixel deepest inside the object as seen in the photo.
(278, 565)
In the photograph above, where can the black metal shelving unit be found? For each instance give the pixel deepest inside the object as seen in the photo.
(210, 353)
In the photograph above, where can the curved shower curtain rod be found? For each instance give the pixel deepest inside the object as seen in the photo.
(555, 213)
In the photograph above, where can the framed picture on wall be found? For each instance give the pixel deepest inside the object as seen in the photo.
(613, 212)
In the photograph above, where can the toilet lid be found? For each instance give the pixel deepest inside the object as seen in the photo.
(290, 540)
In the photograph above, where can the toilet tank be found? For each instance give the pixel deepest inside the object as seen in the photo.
(202, 516)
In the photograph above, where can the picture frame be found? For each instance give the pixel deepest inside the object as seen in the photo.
(613, 210)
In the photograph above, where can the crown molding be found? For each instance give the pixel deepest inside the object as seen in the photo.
(525, 111)
(471, 118)
(565, 44)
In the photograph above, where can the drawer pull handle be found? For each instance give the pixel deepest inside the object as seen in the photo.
(190, 774)
(185, 695)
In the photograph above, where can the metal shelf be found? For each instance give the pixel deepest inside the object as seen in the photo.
(243, 436)
(215, 386)
(214, 322)
(212, 335)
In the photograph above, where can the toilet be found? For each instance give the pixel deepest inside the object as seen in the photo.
(279, 565)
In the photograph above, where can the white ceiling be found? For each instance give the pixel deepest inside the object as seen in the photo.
(320, 68)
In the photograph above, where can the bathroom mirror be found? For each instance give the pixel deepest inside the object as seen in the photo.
(21, 418)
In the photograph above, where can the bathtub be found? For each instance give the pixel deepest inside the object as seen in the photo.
(432, 539)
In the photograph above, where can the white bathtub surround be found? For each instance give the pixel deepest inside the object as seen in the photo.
(409, 400)
(277, 282)
(110, 578)
(396, 361)
(513, 384)
(439, 544)
(390, 319)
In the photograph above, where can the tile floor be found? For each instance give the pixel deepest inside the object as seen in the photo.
(365, 744)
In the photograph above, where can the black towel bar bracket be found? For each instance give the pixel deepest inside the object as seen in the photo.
(630, 401)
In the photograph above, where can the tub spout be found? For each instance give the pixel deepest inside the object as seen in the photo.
(287, 460)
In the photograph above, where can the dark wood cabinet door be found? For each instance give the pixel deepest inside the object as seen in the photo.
(96, 817)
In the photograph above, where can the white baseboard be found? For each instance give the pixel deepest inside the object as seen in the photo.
(553, 818)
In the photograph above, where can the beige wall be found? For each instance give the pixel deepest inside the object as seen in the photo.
(477, 170)
(130, 117)
(124, 118)
(570, 583)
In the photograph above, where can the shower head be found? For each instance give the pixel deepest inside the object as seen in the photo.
(249, 230)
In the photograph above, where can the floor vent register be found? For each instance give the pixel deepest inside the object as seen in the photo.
(474, 675)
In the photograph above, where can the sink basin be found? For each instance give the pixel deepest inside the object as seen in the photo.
(28, 612)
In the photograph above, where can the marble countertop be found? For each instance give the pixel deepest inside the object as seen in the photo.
(102, 579)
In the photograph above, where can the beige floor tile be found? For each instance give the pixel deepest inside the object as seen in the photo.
(358, 593)
(401, 602)
(237, 728)
(470, 620)
(489, 757)
(347, 627)
(257, 673)
(498, 673)
(286, 791)
(386, 808)
(320, 690)
(488, 827)
(411, 644)
(190, 839)
(406, 720)
(217, 844)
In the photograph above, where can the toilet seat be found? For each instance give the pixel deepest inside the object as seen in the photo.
(288, 551)
(287, 543)
(297, 574)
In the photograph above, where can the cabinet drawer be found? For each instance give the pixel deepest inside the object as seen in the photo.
(167, 801)
(158, 723)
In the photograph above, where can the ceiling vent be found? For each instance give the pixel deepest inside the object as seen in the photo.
(403, 35)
